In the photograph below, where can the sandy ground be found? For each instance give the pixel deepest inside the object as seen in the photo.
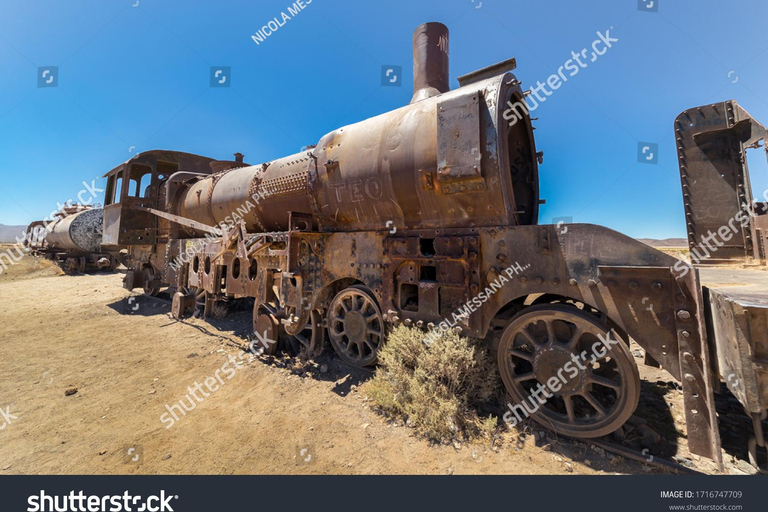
(127, 360)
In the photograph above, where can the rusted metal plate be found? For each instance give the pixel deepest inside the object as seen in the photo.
(717, 193)
(738, 311)
(696, 367)
(458, 141)
(740, 324)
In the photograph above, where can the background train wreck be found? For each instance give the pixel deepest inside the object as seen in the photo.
(72, 238)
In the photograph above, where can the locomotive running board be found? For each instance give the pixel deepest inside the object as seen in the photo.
(182, 221)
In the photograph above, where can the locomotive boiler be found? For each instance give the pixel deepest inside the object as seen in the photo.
(428, 216)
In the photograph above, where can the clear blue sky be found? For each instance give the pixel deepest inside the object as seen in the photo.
(137, 78)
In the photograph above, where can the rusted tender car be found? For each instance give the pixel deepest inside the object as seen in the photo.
(72, 239)
(426, 215)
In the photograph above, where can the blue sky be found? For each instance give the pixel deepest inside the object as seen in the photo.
(138, 78)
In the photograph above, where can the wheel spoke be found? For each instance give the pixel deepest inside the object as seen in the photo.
(606, 383)
(568, 399)
(524, 377)
(302, 339)
(575, 337)
(597, 406)
(520, 354)
(550, 331)
(524, 332)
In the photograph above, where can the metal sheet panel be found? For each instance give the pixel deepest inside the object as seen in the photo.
(458, 139)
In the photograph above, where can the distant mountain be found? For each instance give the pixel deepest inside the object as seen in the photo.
(669, 242)
(9, 233)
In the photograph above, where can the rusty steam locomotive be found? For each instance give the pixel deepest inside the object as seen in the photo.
(408, 217)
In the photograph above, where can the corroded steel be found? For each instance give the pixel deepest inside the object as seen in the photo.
(712, 141)
(415, 216)
(73, 238)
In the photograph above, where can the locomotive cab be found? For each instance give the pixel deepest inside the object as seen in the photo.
(136, 185)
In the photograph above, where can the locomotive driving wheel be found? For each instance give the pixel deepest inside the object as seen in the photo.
(590, 387)
(183, 303)
(270, 334)
(150, 289)
(266, 328)
(203, 303)
(356, 326)
(310, 342)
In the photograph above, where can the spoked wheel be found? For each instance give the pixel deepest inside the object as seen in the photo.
(311, 341)
(150, 289)
(588, 388)
(356, 326)
(81, 265)
(266, 329)
(183, 303)
(202, 304)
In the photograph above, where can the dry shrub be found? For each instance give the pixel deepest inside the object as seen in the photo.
(435, 388)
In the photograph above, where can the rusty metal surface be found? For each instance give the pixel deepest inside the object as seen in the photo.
(415, 213)
(79, 233)
(430, 61)
(717, 194)
(738, 304)
(72, 238)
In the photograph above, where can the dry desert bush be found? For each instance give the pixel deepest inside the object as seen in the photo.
(436, 388)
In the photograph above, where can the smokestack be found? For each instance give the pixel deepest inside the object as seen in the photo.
(430, 61)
